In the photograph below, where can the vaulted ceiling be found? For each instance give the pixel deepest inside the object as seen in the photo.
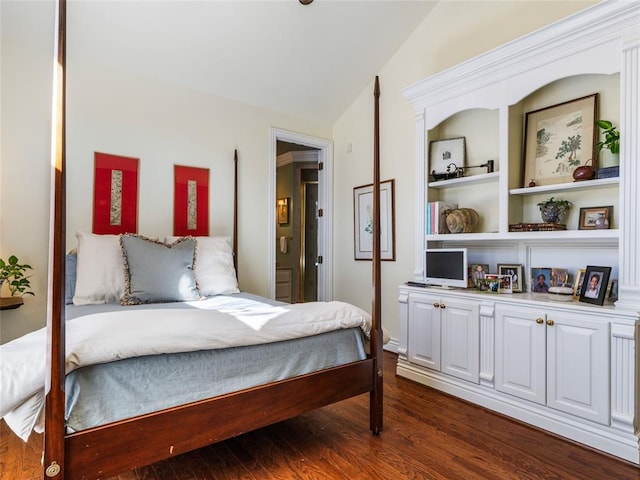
(307, 61)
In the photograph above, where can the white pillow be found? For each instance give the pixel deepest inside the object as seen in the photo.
(215, 273)
(100, 269)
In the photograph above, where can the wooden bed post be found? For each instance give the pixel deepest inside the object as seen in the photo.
(235, 211)
(376, 396)
(54, 438)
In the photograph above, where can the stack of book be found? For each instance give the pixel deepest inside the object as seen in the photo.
(536, 227)
(609, 172)
(436, 221)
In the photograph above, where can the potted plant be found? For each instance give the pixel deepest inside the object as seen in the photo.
(611, 140)
(15, 274)
(554, 211)
(609, 163)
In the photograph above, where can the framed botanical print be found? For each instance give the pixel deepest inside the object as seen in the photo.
(559, 139)
(363, 221)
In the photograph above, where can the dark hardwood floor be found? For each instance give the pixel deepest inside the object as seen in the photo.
(427, 435)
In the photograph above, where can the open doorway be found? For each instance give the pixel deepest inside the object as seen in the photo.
(297, 207)
(301, 222)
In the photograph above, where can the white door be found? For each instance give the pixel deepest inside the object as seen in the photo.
(578, 366)
(460, 327)
(521, 353)
(424, 331)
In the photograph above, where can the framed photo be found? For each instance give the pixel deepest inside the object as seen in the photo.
(515, 270)
(577, 286)
(558, 139)
(445, 157)
(477, 271)
(540, 279)
(594, 285)
(590, 218)
(363, 221)
(559, 277)
(283, 210)
(494, 283)
(612, 290)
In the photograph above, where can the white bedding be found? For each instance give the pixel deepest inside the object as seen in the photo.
(217, 322)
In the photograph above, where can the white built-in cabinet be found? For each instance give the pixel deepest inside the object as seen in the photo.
(567, 367)
(554, 358)
(446, 335)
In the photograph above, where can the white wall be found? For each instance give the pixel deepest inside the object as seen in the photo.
(114, 112)
(453, 32)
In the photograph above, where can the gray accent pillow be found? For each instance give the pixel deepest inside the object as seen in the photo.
(156, 272)
(71, 260)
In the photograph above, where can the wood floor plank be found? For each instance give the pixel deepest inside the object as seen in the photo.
(427, 435)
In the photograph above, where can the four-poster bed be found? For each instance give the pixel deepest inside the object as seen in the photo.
(105, 450)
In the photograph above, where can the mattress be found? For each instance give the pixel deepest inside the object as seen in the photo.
(104, 393)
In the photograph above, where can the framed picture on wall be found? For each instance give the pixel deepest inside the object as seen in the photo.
(363, 221)
(283, 210)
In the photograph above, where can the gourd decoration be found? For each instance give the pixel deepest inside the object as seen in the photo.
(584, 172)
(462, 220)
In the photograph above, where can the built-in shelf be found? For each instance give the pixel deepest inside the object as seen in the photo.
(559, 187)
(590, 236)
(473, 179)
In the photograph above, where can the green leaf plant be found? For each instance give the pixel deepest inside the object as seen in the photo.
(611, 136)
(15, 274)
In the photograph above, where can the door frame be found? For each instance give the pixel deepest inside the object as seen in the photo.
(325, 197)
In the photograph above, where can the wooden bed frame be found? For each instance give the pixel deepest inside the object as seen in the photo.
(107, 450)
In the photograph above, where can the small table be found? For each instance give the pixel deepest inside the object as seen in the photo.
(8, 303)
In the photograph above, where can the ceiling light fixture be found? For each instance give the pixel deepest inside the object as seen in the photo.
(305, 2)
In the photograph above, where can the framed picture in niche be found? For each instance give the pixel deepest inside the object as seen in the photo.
(560, 277)
(594, 284)
(477, 271)
(577, 286)
(595, 218)
(446, 157)
(540, 279)
(559, 139)
(517, 278)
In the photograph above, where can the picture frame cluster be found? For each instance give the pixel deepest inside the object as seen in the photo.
(591, 284)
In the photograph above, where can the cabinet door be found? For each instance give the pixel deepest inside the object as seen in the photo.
(520, 352)
(460, 339)
(424, 331)
(578, 366)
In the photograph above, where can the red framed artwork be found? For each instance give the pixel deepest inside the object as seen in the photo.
(191, 201)
(115, 194)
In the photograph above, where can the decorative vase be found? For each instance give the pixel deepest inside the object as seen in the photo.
(462, 220)
(553, 213)
(584, 172)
